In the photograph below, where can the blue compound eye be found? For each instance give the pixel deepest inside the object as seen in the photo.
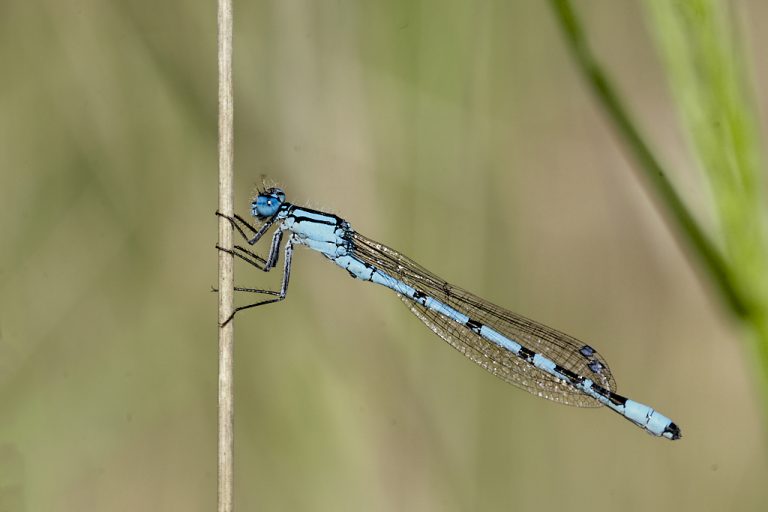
(267, 203)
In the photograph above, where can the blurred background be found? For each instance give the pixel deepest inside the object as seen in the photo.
(456, 132)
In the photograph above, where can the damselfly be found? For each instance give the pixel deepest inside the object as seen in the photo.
(529, 355)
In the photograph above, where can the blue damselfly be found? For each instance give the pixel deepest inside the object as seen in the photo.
(529, 355)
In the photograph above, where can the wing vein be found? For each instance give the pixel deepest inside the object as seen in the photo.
(556, 346)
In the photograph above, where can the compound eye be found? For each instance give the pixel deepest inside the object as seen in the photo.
(267, 203)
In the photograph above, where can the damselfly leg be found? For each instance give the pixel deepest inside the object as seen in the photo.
(257, 261)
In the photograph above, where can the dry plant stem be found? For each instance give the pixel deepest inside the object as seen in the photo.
(226, 263)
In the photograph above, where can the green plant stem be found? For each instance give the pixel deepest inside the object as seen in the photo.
(710, 256)
(708, 76)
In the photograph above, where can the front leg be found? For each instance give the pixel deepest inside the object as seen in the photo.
(237, 220)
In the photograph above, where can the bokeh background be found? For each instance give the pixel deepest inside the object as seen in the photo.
(457, 132)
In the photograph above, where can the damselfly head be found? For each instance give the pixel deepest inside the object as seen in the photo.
(267, 202)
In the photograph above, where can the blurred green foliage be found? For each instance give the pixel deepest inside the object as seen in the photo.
(710, 77)
(456, 132)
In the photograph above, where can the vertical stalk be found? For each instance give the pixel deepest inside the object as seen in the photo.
(226, 262)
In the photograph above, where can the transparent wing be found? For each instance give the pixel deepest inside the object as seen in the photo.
(564, 350)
